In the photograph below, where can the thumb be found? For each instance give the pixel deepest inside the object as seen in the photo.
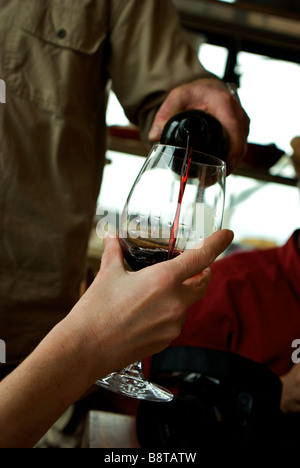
(169, 108)
(192, 262)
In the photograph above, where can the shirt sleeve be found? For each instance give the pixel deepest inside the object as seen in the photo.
(149, 55)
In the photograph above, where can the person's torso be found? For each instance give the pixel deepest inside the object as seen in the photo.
(51, 150)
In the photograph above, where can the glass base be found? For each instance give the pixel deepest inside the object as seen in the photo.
(133, 384)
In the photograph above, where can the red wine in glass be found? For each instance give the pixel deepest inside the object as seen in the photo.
(138, 256)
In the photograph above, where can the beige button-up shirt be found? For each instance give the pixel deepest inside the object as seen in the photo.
(57, 58)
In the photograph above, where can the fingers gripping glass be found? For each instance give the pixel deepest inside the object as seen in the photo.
(176, 201)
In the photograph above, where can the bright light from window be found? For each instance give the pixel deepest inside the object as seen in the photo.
(115, 114)
(213, 58)
(270, 93)
(261, 210)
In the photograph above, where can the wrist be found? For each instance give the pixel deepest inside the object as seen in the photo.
(77, 349)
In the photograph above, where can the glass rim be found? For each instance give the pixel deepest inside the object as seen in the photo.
(219, 161)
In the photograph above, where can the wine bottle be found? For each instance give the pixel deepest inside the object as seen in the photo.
(203, 132)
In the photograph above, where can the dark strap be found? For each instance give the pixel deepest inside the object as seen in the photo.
(228, 367)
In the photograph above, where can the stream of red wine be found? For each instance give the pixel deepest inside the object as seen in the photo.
(185, 170)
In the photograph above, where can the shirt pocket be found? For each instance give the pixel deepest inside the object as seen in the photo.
(54, 53)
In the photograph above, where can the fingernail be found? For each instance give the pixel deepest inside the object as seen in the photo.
(110, 235)
(207, 271)
(154, 133)
(107, 237)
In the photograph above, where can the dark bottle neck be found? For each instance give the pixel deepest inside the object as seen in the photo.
(205, 132)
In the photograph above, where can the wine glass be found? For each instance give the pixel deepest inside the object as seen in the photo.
(176, 201)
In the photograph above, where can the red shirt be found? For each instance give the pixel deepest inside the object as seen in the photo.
(251, 307)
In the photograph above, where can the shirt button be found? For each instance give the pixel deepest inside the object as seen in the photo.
(62, 33)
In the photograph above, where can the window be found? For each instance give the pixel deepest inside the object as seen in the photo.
(269, 91)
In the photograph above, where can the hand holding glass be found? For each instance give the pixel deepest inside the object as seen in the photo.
(169, 209)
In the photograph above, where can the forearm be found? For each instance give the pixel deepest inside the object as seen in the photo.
(42, 388)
